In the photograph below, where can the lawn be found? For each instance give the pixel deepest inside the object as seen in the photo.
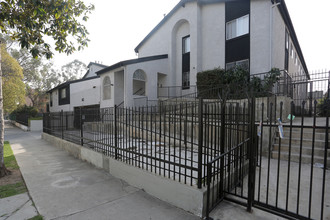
(13, 184)
(9, 157)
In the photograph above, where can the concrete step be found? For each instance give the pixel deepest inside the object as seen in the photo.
(304, 158)
(306, 150)
(297, 141)
(306, 134)
(309, 130)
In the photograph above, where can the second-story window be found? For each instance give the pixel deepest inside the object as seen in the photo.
(237, 27)
(63, 93)
(287, 43)
(186, 62)
(51, 99)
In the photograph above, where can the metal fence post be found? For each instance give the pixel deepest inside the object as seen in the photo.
(81, 128)
(252, 155)
(116, 134)
(222, 146)
(200, 142)
(62, 132)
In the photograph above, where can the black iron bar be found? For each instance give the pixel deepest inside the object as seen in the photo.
(300, 155)
(312, 164)
(200, 142)
(326, 146)
(289, 159)
(279, 158)
(269, 150)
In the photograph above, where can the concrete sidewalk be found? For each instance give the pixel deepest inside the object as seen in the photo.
(63, 187)
(17, 207)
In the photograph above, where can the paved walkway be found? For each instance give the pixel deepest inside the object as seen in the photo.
(63, 187)
(17, 207)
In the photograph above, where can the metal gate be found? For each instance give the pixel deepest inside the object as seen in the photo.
(226, 173)
(281, 164)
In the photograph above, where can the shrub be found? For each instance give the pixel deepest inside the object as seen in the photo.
(234, 83)
(24, 109)
(324, 106)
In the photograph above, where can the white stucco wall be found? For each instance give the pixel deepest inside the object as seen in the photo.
(168, 40)
(93, 69)
(78, 91)
(278, 43)
(260, 36)
(56, 107)
(85, 93)
(213, 36)
(105, 103)
(151, 69)
(119, 87)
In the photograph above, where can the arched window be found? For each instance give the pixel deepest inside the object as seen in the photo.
(139, 75)
(139, 83)
(106, 88)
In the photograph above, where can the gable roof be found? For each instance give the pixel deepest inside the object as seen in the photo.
(282, 8)
(90, 64)
(97, 64)
(287, 19)
(133, 61)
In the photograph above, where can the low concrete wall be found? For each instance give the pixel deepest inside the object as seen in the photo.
(35, 125)
(183, 196)
(23, 127)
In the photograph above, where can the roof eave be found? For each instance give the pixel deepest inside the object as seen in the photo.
(287, 19)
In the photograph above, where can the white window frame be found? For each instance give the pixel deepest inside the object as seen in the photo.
(237, 63)
(233, 27)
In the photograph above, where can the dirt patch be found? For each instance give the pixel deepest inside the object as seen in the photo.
(14, 177)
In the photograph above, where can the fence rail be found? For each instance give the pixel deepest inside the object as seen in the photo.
(175, 141)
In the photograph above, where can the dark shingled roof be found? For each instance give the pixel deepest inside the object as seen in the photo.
(127, 62)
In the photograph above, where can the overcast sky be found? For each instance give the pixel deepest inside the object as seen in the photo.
(117, 27)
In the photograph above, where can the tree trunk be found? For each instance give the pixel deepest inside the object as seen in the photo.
(3, 170)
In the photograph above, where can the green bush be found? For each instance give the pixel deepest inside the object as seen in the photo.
(324, 106)
(234, 83)
(24, 109)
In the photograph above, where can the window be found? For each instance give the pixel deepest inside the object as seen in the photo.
(287, 40)
(106, 88)
(139, 75)
(186, 62)
(295, 58)
(63, 93)
(287, 43)
(291, 53)
(139, 82)
(241, 63)
(51, 99)
(186, 45)
(185, 80)
(237, 27)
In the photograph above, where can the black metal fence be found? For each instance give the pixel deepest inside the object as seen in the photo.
(22, 119)
(232, 145)
(175, 141)
(288, 164)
